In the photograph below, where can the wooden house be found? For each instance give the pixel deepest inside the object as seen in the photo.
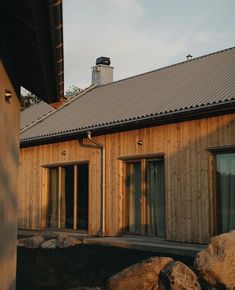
(151, 155)
(29, 54)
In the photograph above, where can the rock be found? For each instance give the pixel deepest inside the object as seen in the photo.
(216, 263)
(85, 288)
(140, 276)
(178, 276)
(31, 242)
(64, 241)
(50, 244)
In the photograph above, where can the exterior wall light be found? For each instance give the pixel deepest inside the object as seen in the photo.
(8, 96)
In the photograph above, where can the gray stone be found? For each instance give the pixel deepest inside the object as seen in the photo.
(31, 242)
(140, 276)
(216, 263)
(50, 244)
(65, 241)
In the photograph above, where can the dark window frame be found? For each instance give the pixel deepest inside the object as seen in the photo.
(59, 167)
(143, 159)
(214, 151)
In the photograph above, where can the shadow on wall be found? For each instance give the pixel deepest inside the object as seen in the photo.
(8, 199)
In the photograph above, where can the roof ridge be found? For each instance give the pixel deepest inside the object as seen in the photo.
(169, 66)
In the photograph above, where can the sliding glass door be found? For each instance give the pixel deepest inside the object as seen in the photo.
(144, 197)
(52, 211)
(225, 189)
(155, 198)
(133, 195)
(68, 197)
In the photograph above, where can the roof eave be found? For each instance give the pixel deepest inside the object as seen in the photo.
(138, 123)
(51, 47)
(32, 46)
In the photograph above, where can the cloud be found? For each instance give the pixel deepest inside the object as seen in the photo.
(129, 6)
(207, 37)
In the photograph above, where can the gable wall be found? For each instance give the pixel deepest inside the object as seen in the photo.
(188, 175)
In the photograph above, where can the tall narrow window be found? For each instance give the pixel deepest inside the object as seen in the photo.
(133, 195)
(52, 211)
(82, 202)
(144, 195)
(225, 187)
(155, 198)
(67, 197)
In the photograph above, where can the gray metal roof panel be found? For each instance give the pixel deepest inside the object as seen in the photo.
(32, 114)
(199, 82)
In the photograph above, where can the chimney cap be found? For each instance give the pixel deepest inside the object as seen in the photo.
(189, 57)
(103, 60)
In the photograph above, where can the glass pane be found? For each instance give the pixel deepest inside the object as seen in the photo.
(225, 184)
(52, 211)
(82, 197)
(155, 198)
(67, 197)
(133, 190)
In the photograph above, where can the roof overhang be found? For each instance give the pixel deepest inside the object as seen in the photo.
(33, 33)
(189, 114)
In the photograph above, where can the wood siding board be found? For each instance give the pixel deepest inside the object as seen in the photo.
(212, 195)
(169, 201)
(143, 197)
(200, 205)
(174, 185)
(121, 215)
(75, 202)
(191, 163)
(179, 171)
(204, 177)
(114, 184)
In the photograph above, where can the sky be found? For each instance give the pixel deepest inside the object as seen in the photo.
(141, 35)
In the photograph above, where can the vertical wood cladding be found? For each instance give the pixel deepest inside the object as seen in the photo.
(187, 163)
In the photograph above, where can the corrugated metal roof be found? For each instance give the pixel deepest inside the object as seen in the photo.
(200, 82)
(33, 114)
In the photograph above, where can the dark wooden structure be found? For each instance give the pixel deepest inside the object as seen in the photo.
(31, 58)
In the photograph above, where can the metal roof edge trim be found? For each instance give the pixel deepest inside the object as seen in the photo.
(205, 111)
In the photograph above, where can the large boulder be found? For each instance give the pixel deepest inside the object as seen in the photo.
(178, 276)
(85, 288)
(50, 244)
(31, 242)
(65, 241)
(141, 276)
(216, 263)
